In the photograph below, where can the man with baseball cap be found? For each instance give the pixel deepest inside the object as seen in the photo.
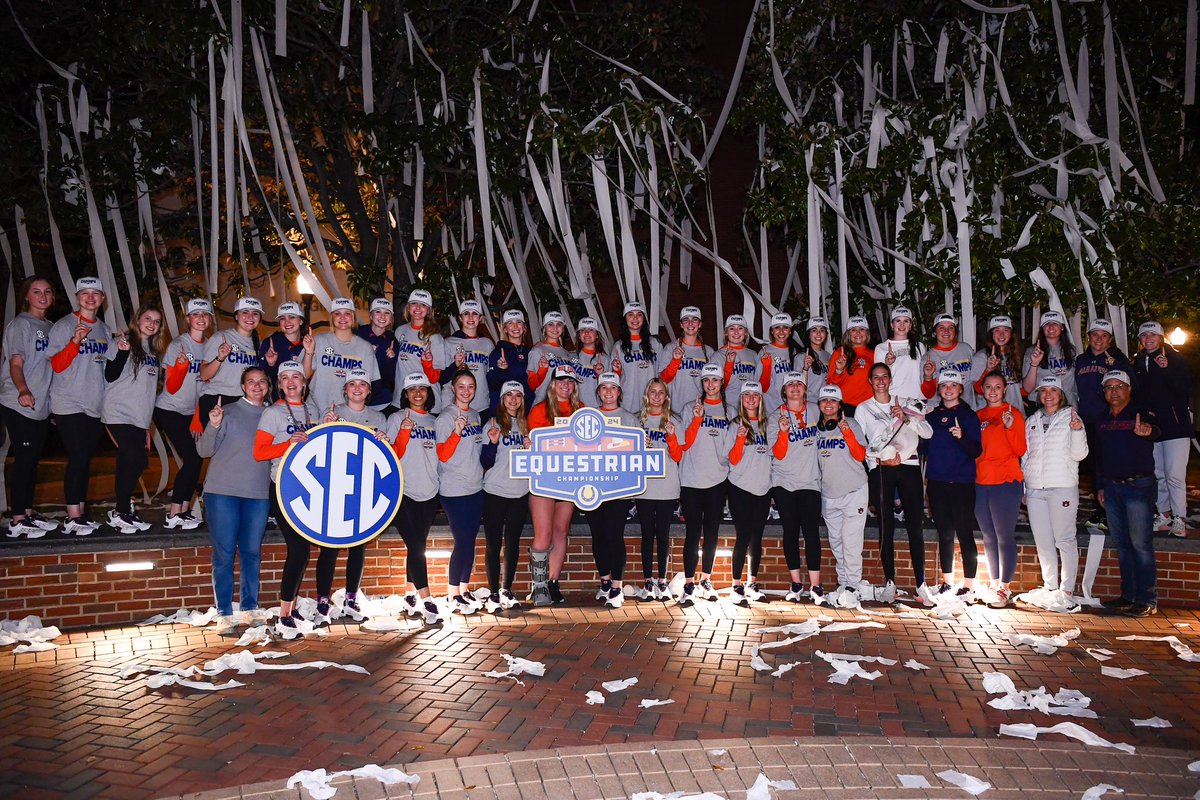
(1125, 435)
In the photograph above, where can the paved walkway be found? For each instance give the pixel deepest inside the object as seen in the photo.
(71, 727)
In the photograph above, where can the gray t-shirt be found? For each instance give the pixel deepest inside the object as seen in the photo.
(498, 480)
(228, 380)
(777, 364)
(746, 367)
(706, 462)
(79, 389)
(636, 371)
(960, 358)
(814, 379)
(667, 487)
(841, 473)
(798, 469)
(27, 337)
(183, 400)
(589, 366)
(462, 474)
(419, 461)
(1054, 362)
(410, 346)
(685, 384)
(555, 355)
(233, 470)
(332, 359)
(476, 352)
(752, 473)
(368, 417)
(282, 419)
(129, 400)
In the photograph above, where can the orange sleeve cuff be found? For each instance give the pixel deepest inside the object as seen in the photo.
(445, 450)
(265, 448)
(175, 375)
(857, 450)
(668, 374)
(781, 446)
(768, 366)
(674, 449)
(536, 378)
(196, 426)
(689, 437)
(430, 372)
(63, 358)
(728, 374)
(401, 443)
(739, 447)
(928, 388)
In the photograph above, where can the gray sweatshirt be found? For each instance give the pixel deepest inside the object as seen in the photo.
(752, 473)
(233, 470)
(960, 358)
(798, 469)
(332, 359)
(590, 366)
(498, 480)
(636, 371)
(462, 474)
(375, 420)
(667, 487)
(184, 400)
(228, 380)
(27, 337)
(706, 462)
(746, 367)
(129, 400)
(555, 355)
(410, 346)
(282, 419)
(79, 389)
(476, 351)
(685, 383)
(1054, 362)
(841, 473)
(419, 460)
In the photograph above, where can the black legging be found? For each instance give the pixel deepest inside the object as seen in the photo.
(800, 510)
(178, 430)
(299, 550)
(80, 435)
(883, 483)
(207, 401)
(503, 522)
(953, 509)
(607, 524)
(27, 439)
(131, 462)
(327, 561)
(749, 512)
(702, 510)
(656, 518)
(413, 520)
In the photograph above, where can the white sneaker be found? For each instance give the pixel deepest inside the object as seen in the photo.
(649, 591)
(737, 595)
(492, 607)
(182, 520)
(705, 589)
(616, 598)
(602, 592)
(122, 523)
(1177, 528)
(479, 596)
(795, 594)
(79, 526)
(508, 599)
(886, 593)
(429, 611)
(18, 529)
(34, 518)
(753, 592)
(462, 605)
(1161, 523)
(662, 590)
(847, 597)
(925, 595)
(412, 604)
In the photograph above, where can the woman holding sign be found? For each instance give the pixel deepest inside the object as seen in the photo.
(283, 423)
(505, 499)
(607, 521)
(460, 478)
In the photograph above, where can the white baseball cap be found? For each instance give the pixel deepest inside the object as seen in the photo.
(512, 315)
(420, 296)
(633, 306)
(940, 318)
(564, 371)
(341, 304)
(950, 376)
(512, 386)
(198, 305)
(689, 312)
(1100, 325)
(247, 304)
(289, 310)
(89, 285)
(1116, 375)
(1048, 381)
(784, 320)
(608, 379)
(816, 322)
(356, 375)
(751, 387)
(1053, 317)
(587, 324)
(900, 312)
(415, 380)
(712, 371)
(830, 393)
(1000, 322)
(381, 304)
(470, 307)
(735, 319)
(794, 377)
(552, 316)
(1151, 327)
(291, 366)
(857, 322)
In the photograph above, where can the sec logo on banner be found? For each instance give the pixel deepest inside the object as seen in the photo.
(340, 488)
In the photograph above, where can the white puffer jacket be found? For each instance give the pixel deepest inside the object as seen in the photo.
(1052, 460)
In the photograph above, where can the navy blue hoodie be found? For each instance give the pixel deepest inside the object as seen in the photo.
(949, 459)
(1089, 375)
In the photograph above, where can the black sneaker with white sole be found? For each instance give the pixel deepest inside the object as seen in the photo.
(686, 598)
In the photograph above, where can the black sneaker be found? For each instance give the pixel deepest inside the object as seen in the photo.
(1140, 610)
(556, 594)
(686, 598)
(1117, 604)
(287, 622)
(945, 587)
(353, 605)
(605, 586)
(817, 594)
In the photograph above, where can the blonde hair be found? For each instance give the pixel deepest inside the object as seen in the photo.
(506, 420)
(551, 400)
(667, 414)
(429, 327)
(744, 418)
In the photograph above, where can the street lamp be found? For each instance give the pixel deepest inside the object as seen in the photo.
(1177, 337)
(306, 295)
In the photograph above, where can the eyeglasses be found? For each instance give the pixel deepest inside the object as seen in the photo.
(1117, 387)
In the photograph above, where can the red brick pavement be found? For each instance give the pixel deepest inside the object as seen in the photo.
(72, 728)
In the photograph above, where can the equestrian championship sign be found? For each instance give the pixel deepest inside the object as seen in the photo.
(588, 459)
(340, 488)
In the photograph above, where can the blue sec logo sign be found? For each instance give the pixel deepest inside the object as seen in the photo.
(340, 488)
(588, 460)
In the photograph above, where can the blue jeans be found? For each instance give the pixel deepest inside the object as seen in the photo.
(1130, 508)
(235, 525)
